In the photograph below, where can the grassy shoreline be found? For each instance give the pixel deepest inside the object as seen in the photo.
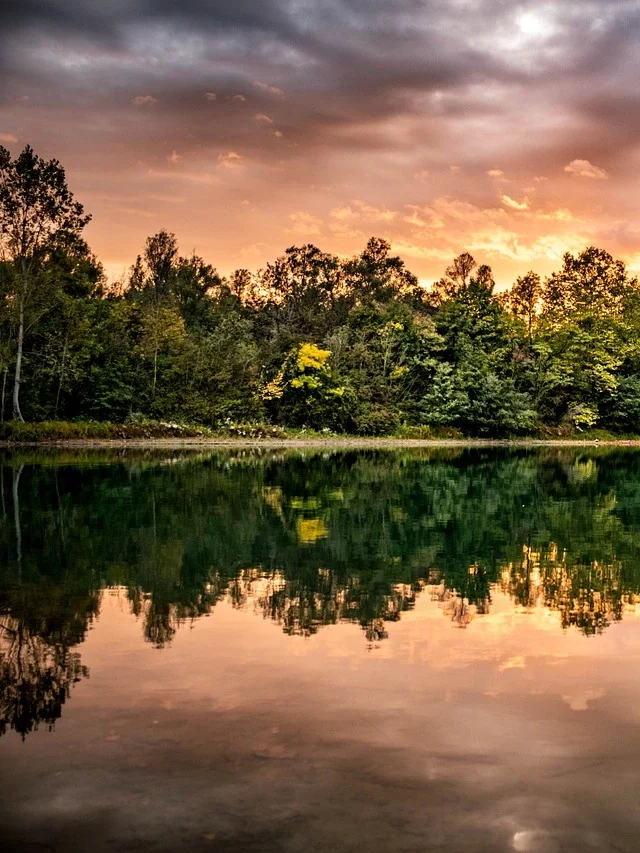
(164, 434)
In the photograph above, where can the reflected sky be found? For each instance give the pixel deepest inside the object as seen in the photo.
(444, 656)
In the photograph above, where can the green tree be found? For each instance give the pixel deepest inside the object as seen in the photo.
(525, 301)
(583, 339)
(37, 211)
(592, 283)
(63, 344)
(473, 399)
(304, 391)
(197, 285)
(154, 272)
(378, 275)
(455, 280)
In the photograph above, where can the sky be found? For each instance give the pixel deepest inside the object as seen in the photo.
(509, 130)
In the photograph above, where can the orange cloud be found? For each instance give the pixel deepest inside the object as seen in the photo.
(515, 205)
(304, 224)
(585, 169)
(230, 160)
(274, 91)
(144, 100)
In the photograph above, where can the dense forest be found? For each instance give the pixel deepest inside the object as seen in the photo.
(311, 341)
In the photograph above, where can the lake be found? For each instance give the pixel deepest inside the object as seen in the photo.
(270, 650)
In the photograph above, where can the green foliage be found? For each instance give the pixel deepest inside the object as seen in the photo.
(474, 400)
(593, 283)
(134, 428)
(312, 340)
(585, 342)
(305, 391)
(40, 227)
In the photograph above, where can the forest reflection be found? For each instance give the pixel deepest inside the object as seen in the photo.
(305, 539)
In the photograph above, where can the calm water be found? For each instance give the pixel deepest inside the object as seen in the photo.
(390, 651)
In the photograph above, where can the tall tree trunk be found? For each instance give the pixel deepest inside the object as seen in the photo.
(17, 414)
(4, 388)
(155, 370)
(64, 358)
(156, 345)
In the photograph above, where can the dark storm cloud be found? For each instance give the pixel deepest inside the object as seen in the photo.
(398, 41)
(341, 62)
(358, 96)
(104, 19)
(354, 44)
(59, 18)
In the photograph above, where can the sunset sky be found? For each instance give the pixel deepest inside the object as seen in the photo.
(511, 130)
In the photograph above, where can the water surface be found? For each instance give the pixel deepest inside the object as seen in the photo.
(286, 651)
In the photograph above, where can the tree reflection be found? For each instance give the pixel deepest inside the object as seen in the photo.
(588, 597)
(306, 540)
(38, 628)
(303, 605)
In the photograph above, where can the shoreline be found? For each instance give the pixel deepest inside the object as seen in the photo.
(316, 443)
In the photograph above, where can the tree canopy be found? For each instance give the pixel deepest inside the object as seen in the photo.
(180, 341)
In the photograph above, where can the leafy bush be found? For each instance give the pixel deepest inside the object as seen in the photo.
(427, 433)
(15, 431)
(375, 419)
(243, 430)
(476, 401)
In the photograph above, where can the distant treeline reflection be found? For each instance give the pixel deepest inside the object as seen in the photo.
(307, 539)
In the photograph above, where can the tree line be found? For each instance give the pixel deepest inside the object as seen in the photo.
(352, 345)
